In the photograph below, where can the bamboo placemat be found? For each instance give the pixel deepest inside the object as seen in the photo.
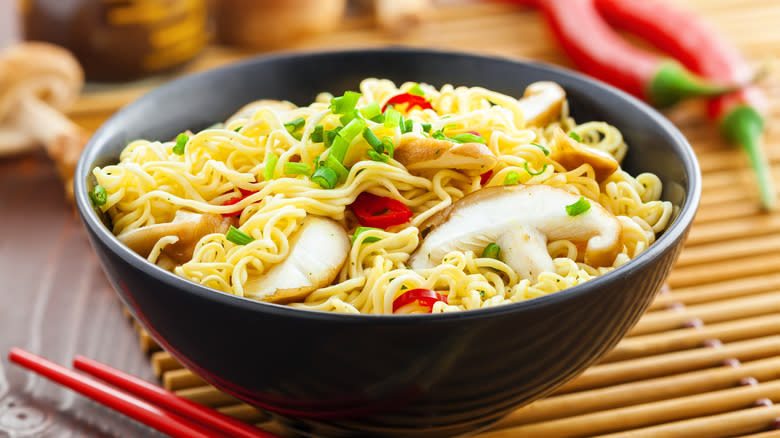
(705, 359)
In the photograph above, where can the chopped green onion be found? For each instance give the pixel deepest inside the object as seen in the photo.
(372, 140)
(98, 196)
(349, 116)
(352, 130)
(376, 156)
(581, 206)
(270, 166)
(575, 136)
(371, 110)
(388, 145)
(468, 137)
(527, 169)
(406, 126)
(426, 127)
(335, 165)
(295, 124)
(392, 117)
(238, 129)
(330, 135)
(317, 136)
(544, 149)
(416, 90)
(345, 103)
(181, 141)
(380, 118)
(492, 251)
(297, 135)
(296, 169)
(339, 148)
(237, 236)
(511, 178)
(439, 135)
(369, 239)
(325, 177)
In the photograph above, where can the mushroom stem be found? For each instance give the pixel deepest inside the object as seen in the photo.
(63, 139)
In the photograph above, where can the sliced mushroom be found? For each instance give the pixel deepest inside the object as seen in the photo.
(423, 153)
(542, 102)
(318, 249)
(521, 220)
(248, 110)
(573, 154)
(189, 227)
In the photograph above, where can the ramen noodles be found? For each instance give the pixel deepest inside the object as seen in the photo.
(390, 199)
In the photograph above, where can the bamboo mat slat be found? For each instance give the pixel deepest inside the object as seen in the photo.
(704, 361)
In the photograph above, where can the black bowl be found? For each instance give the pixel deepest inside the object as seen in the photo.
(426, 375)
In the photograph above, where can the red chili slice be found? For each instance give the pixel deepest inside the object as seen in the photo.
(425, 298)
(485, 177)
(380, 212)
(244, 194)
(412, 100)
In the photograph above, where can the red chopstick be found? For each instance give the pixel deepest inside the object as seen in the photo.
(147, 413)
(159, 396)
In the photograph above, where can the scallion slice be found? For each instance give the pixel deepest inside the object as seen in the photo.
(376, 156)
(339, 148)
(371, 110)
(352, 130)
(237, 236)
(317, 135)
(295, 124)
(581, 206)
(511, 178)
(181, 141)
(296, 169)
(468, 137)
(325, 177)
(369, 239)
(528, 169)
(416, 90)
(335, 165)
(426, 127)
(575, 136)
(492, 251)
(330, 135)
(98, 196)
(345, 103)
(270, 166)
(544, 149)
(392, 117)
(372, 140)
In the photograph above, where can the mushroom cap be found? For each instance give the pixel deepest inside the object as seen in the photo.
(318, 249)
(189, 227)
(572, 154)
(422, 153)
(34, 71)
(521, 219)
(542, 102)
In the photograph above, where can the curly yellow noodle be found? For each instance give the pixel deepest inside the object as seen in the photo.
(150, 183)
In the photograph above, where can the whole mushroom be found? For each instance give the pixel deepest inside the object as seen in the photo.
(37, 80)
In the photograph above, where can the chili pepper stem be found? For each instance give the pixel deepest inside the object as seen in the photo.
(673, 83)
(743, 125)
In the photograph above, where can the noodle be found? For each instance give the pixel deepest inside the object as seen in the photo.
(151, 183)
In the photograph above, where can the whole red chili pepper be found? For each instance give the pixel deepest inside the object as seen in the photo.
(411, 99)
(602, 53)
(706, 52)
(380, 212)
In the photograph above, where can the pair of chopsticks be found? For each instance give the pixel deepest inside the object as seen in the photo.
(138, 399)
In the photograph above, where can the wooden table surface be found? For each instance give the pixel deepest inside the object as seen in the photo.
(55, 300)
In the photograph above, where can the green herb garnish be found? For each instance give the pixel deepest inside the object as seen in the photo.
(181, 141)
(296, 169)
(492, 251)
(325, 177)
(544, 149)
(527, 169)
(237, 236)
(369, 239)
(98, 196)
(511, 178)
(270, 166)
(575, 136)
(581, 206)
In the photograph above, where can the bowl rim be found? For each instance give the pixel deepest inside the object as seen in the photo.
(676, 230)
